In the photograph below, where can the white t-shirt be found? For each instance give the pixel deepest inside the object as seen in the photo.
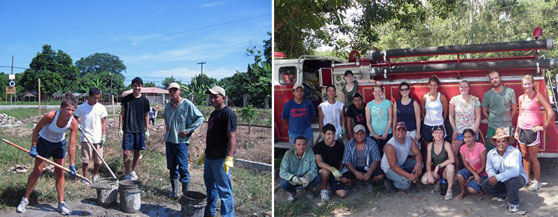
(91, 120)
(332, 115)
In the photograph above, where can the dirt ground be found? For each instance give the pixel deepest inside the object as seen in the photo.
(425, 203)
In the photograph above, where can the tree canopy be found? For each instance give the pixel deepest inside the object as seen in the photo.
(100, 62)
(56, 70)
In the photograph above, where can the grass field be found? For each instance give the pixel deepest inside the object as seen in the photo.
(252, 190)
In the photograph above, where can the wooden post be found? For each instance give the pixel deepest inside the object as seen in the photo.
(39, 96)
(113, 109)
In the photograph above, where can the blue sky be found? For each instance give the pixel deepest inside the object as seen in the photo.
(155, 39)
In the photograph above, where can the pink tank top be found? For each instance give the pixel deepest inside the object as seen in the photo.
(530, 109)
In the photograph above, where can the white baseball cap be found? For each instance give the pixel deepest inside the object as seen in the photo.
(216, 90)
(174, 85)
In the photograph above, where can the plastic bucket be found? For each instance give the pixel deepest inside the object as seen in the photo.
(130, 195)
(107, 191)
(193, 204)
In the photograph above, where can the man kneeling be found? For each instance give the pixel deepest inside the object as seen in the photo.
(401, 171)
(298, 168)
(329, 157)
(505, 171)
(361, 159)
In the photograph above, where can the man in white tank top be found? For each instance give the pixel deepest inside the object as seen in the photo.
(331, 112)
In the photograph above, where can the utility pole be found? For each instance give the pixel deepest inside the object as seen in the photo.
(201, 63)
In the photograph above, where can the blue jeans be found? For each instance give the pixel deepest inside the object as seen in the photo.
(399, 181)
(284, 184)
(177, 161)
(309, 135)
(509, 189)
(218, 185)
(465, 173)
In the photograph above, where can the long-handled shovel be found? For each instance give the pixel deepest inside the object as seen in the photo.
(47, 160)
(97, 152)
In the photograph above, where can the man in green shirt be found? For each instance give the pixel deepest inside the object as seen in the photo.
(499, 105)
(181, 119)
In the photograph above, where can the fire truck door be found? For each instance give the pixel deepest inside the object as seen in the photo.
(326, 77)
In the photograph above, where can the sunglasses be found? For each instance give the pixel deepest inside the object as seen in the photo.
(404, 89)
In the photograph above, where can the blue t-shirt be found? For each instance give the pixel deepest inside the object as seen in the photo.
(298, 115)
(379, 116)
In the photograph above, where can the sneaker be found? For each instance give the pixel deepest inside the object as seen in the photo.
(437, 186)
(291, 197)
(513, 208)
(501, 199)
(535, 186)
(95, 178)
(389, 185)
(309, 194)
(131, 176)
(370, 188)
(449, 195)
(22, 204)
(324, 195)
(64, 209)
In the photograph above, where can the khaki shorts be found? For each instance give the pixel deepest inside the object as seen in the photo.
(86, 152)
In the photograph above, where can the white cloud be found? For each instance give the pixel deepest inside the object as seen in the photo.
(212, 4)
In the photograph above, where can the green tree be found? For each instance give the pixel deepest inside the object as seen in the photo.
(100, 62)
(102, 81)
(249, 113)
(149, 84)
(302, 26)
(56, 70)
(168, 80)
(196, 89)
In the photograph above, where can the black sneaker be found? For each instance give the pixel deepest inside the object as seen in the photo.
(389, 186)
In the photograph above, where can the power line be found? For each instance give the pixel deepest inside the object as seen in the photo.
(179, 32)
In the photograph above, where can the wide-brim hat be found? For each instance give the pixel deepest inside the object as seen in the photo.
(501, 133)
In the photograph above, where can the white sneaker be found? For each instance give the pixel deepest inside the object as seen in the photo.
(535, 186)
(22, 204)
(449, 195)
(131, 176)
(64, 209)
(324, 195)
(95, 178)
(513, 208)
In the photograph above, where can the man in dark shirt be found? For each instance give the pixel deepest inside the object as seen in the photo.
(355, 115)
(329, 158)
(219, 153)
(133, 126)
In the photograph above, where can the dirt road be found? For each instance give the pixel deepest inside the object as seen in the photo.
(425, 203)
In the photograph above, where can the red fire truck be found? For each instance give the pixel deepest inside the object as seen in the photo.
(390, 68)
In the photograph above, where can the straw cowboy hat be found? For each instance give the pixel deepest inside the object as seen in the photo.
(500, 133)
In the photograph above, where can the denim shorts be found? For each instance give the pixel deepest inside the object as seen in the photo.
(55, 149)
(473, 183)
(133, 141)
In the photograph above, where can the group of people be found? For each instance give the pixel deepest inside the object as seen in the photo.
(181, 117)
(397, 144)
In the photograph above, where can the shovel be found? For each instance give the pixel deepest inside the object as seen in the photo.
(47, 160)
(97, 152)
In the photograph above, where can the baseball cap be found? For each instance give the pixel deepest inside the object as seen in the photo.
(174, 85)
(348, 72)
(439, 127)
(400, 124)
(216, 90)
(297, 86)
(359, 127)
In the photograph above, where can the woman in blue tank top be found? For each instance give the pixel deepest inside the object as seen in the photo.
(49, 141)
(406, 109)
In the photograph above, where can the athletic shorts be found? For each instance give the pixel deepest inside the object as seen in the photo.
(87, 152)
(440, 171)
(473, 183)
(529, 137)
(55, 149)
(133, 141)
(350, 175)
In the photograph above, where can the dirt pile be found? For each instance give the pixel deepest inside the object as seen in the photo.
(7, 121)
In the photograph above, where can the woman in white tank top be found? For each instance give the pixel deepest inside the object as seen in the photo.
(434, 109)
(49, 141)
